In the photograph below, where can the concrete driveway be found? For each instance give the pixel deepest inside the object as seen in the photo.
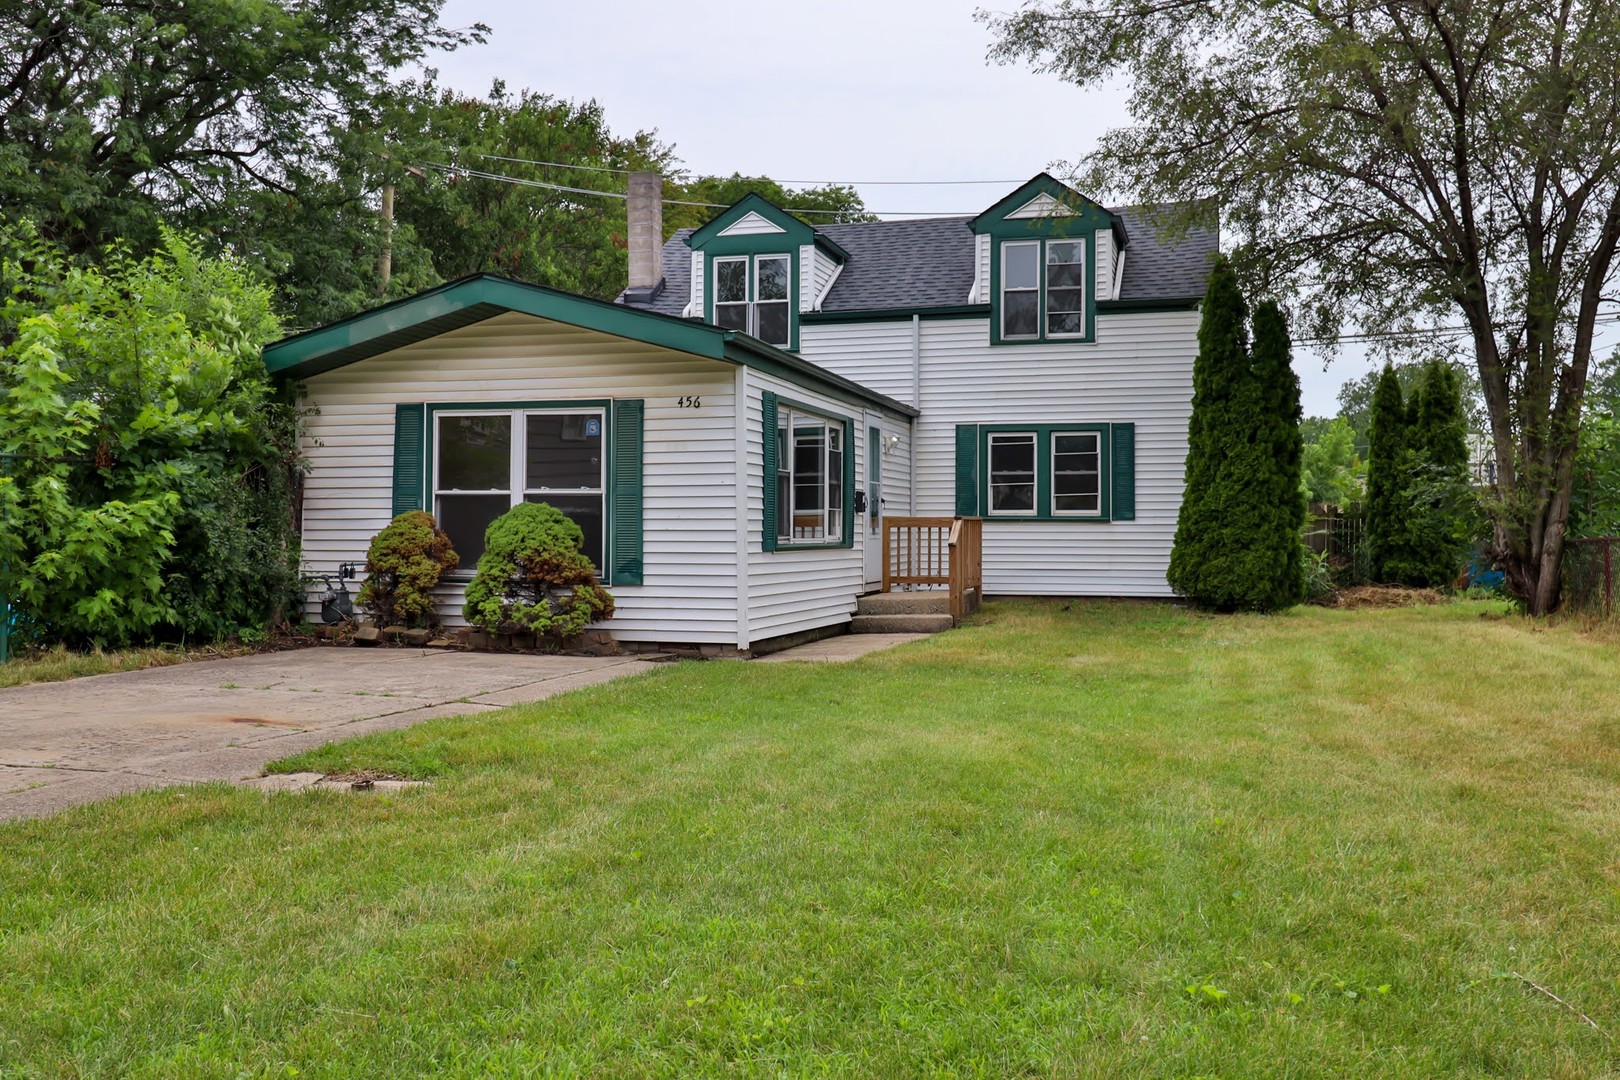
(73, 742)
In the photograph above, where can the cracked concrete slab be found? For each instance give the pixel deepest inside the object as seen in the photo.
(72, 742)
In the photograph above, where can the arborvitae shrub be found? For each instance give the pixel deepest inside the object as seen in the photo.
(1386, 452)
(534, 577)
(1237, 536)
(405, 561)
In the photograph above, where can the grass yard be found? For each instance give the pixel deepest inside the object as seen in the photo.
(1072, 840)
(56, 664)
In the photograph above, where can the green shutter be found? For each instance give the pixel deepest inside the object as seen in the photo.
(849, 483)
(767, 532)
(1122, 466)
(410, 461)
(967, 470)
(626, 560)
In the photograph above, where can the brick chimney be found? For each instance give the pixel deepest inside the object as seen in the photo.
(645, 211)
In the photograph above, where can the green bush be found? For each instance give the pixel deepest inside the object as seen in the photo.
(147, 464)
(403, 565)
(534, 577)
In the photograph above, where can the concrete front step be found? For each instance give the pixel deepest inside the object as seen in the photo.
(900, 624)
(905, 603)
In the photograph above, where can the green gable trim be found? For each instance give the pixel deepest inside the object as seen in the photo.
(793, 231)
(954, 311)
(749, 352)
(472, 299)
(1046, 184)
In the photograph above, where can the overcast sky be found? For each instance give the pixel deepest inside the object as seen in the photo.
(846, 91)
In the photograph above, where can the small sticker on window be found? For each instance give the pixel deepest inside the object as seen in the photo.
(593, 427)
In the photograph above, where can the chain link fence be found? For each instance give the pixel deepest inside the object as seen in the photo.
(1590, 566)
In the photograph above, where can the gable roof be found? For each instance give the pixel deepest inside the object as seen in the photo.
(929, 263)
(481, 296)
(1044, 187)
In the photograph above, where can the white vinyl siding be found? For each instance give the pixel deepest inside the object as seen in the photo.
(790, 591)
(1138, 371)
(689, 592)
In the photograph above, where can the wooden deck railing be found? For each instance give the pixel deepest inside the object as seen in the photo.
(936, 551)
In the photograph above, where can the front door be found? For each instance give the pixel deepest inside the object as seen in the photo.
(872, 526)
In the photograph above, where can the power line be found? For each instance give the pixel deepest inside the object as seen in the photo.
(462, 170)
(809, 183)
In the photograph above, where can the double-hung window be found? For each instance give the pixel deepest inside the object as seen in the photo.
(809, 478)
(1076, 473)
(1046, 472)
(1043, 289)
(1011, 469)
(487, 461)
(752, 294)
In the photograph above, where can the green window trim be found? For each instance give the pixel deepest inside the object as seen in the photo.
(1087, 283)
(770, 405)
(753, 248)
(1116, 471)
(622, 438)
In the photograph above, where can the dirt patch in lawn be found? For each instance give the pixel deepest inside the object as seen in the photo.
(1386, 596)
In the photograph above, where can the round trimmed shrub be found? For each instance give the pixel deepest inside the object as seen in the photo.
(404, 563)
(535, 578)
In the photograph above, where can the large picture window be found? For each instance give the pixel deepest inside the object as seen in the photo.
(753, 294)
(1043, 289)
(485, 462)
(809, 478)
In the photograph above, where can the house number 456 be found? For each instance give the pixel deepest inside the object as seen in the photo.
(691, 401)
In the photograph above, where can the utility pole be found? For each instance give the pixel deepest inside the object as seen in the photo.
(385, 258)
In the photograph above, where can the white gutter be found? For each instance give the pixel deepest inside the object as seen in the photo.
(1119, 275)
(916, 403)
(740, 410)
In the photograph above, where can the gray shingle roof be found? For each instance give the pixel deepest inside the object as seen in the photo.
(929, 263)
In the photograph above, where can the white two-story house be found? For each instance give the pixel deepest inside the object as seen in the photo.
(738, 433)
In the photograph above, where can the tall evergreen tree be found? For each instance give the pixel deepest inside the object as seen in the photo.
(1437, 504)
(1231, 551)
(1279, 543)
(1386, 448)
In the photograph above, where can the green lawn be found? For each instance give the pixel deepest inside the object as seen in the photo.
(1073, 840)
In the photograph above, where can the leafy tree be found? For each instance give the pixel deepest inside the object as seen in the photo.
(118, 117)
(150, 467)
(1237, 535)
(1436, 518)
(1386, 477)
(1332, 472)
(1595, 510)
(830, 205)
(1395, 167)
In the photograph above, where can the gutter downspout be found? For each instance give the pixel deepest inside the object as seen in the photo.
(916, 403)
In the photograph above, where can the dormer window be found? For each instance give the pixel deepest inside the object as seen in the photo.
(1045, 257)
(1030, 298)
(751, 294)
